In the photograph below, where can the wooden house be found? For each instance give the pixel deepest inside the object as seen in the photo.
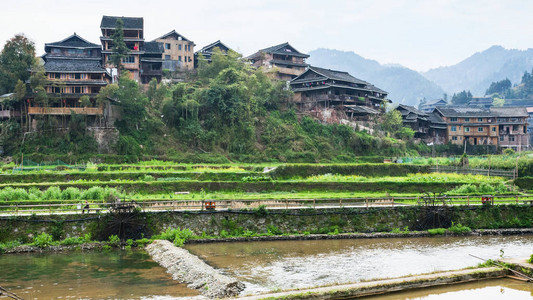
(142, 62)
(428, 127)
(430, 105)
(178, 51)
(512, 127)
(324, 88)
(283, 58)
(473, 125)
(206, 52)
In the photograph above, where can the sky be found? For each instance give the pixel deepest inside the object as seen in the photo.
(418, 34)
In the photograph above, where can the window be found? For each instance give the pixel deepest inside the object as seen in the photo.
(454, 138)
(167, 46)
(453, 119)
(493, 129)
(129, 60)
(188, 47)
(57, 75)
(167, 57)
(502, 138)
(179, 47)
(515, 127)
(480, 119)
(56, 50)
(190, 59)
(179, 58)
(453, 128)
(480, 129)
(511, 139)
(467, 119)
(77, 90)
(77, 76)
(467, 129)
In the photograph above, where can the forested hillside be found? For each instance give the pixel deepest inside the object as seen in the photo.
(227, 112)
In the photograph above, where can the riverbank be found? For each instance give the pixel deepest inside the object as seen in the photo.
(103, 246)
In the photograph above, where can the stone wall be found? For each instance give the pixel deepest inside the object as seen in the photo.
(276, 221)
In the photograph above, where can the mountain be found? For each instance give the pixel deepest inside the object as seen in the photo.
(478, 71)
(404, 85)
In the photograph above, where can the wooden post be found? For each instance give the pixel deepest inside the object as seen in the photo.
(366, 201)
(516, 199)
(287, 203)
(392, 201)
(314, 203)
(203, 205)
(468, 200)
(340, 202)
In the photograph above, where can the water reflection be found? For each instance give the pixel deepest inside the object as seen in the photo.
(299, 264)
(485, 289)
(88, 275)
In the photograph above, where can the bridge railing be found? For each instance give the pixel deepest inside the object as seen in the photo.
(70, 207)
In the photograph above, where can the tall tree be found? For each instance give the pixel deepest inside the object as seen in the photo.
(120, 50)
(16, 59)
(462, 98)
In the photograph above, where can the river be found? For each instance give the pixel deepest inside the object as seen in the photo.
(263, 266)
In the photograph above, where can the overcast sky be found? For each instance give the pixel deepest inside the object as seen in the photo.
(414, 33)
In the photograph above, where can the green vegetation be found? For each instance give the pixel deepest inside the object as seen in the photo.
(530, 260)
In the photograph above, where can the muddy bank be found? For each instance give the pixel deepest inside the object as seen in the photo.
(188, 268)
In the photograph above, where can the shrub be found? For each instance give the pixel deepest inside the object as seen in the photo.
(70, 193)
(437, 231)
(459, 228)
(43, 240)
(531, 259)
(273, 230)
(114, 240)
(52, 193)
(75, 240)
(177, 236)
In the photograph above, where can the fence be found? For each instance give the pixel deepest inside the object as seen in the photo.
(485, 172)
(221, 205)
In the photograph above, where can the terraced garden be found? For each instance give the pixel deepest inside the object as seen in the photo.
(64, 187)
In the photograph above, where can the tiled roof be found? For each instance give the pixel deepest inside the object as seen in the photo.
(210, 47)
(172, 33)
(129, 22)
(73, 41)
(435, 102)
(509, 111)
(153, 47)
(463, 111)
(412, 109)
(73, 65)
(284, 49)
(362, 109)
(337, 75)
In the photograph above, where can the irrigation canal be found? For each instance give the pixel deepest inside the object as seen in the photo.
(262, 266)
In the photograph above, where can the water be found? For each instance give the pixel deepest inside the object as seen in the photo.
(279, 265)
(88, 275)
(499, 289)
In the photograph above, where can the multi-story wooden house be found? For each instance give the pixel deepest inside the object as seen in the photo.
(287, 61)
(141, 56)
(73, 68)
(473, 125)
(178, 51)
(207, 51)
(428, 127)
(324, 88)
(512, 127)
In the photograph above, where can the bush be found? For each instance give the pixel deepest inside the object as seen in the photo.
(459, 228)
(114, 240)
(437, 231)
(70, 193)
(177, 236)
(52, 193)
(531, 259)
(43, 240)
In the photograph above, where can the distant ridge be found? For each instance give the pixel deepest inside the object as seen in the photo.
(478, 71)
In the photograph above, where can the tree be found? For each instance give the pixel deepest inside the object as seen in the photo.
(120, 50)
(462, 98)
(156, 93)
(499, 87)
(16, 59)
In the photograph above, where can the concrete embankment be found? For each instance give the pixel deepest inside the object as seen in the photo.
(377, 287)
(188, 268)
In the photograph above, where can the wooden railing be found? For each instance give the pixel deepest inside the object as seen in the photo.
(331, 203)
(65, 110)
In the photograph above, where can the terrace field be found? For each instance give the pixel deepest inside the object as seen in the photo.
(170, 181)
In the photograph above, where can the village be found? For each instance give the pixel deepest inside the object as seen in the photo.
(76, 69)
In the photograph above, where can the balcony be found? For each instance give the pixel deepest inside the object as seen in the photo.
(65, 110)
